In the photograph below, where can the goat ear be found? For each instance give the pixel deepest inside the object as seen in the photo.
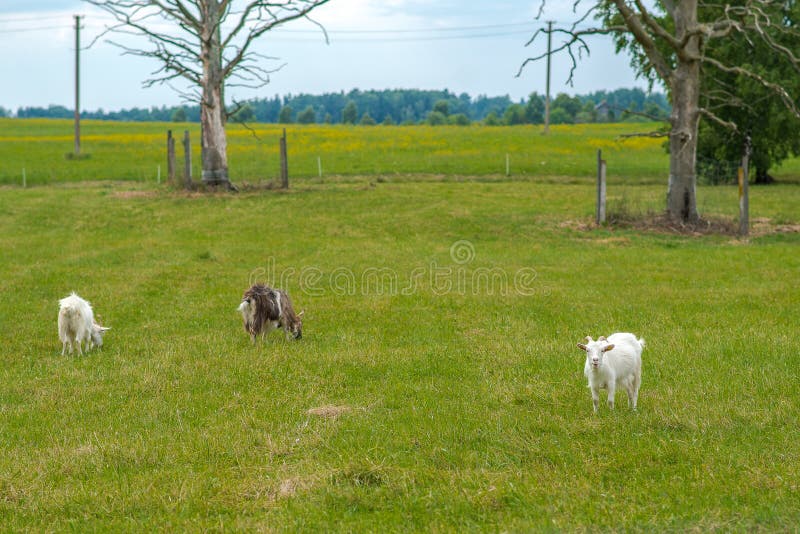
(608, 348)
(581, 346)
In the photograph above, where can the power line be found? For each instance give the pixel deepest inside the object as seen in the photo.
(398, 39)
(31, 19)
(37, 29)
(394, 35)
(448, 29)
(414, 39)
(418, 30)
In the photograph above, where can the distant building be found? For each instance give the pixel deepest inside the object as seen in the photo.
(602, 111)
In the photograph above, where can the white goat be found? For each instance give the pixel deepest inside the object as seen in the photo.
(612, 362)
(76, 324)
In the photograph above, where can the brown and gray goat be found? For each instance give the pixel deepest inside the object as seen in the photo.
(264, 309)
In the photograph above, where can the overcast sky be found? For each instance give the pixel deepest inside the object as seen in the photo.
(467, 46)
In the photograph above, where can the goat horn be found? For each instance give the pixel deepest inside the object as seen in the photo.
(589, 339)
(601, 338)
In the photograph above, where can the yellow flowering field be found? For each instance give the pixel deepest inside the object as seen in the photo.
(41, 149)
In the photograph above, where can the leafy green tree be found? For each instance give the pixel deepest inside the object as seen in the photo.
(654, 112)
(588, 112)
(560, 116)
(708, 55)
(514, 114)
(534, 109)
(286, 114)
(307, 116)
(178, 115)
(442, 106)
(459, 119)
(492, 119)
(571, 105)
(350, 113)
(763, 117)
(436, 118)
(367, 120)
(244, 114)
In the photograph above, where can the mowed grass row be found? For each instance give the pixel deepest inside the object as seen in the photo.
(135, 151)
(441, 320)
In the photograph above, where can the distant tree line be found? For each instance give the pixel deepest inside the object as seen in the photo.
(403, 106)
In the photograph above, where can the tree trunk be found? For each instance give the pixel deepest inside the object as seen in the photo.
(685, 88)
(212, 106)
(214, 140)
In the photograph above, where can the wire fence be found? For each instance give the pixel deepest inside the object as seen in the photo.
(713, 171)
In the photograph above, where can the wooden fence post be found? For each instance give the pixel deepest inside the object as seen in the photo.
(601, 188)
(170, 157)
(284, 163)
(744, 198)
(187, 160)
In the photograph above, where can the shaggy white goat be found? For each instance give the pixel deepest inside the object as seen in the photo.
(612, 362)
(76, 324)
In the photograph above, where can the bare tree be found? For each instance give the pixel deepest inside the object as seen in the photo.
(207, 43)
(667, 39)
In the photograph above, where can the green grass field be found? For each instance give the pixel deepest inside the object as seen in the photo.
(134, 151)
(437, 386)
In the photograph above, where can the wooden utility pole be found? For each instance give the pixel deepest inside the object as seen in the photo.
(284, 162)
(77, 85)
(547, 86)
(601, 188)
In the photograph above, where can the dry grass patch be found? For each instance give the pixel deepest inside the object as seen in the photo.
(613, 241)
(765, 226)
(661, 224)
(270, 493)
(329, 411)
(134, 194)
(290, 486)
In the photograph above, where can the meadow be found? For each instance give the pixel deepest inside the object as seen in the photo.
(135, 151)
(437, 386)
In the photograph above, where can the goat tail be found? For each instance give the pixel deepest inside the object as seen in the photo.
(642, 342)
